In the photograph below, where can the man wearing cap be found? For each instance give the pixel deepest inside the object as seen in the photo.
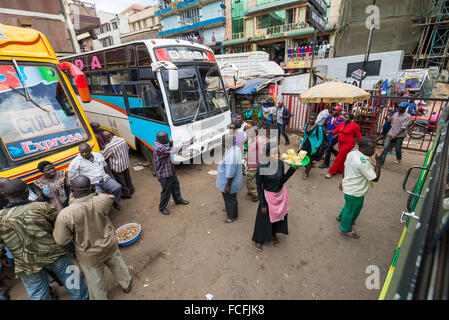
(332, 123)
(399, 124)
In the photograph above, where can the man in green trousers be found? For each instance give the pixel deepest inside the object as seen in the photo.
(358, 178)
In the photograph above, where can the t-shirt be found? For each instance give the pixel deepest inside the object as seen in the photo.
(359, 174)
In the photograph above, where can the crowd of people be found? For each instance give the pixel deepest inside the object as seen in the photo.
(63, 217)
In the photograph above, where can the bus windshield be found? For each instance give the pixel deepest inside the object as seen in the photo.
(42, 123)
(215, 93)
(186, 102)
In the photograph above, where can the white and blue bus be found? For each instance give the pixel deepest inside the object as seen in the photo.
(143, 87)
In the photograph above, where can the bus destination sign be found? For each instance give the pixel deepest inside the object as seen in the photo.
(183, 54)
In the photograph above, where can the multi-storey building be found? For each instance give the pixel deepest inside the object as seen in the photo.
(111, 29)
(47, 16)
(202, 21)
(278, 27)
(143, 24)
(85, 20)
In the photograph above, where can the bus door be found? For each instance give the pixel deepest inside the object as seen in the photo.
(146, 113)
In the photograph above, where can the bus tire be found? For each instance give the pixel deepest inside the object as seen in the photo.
(148, 154)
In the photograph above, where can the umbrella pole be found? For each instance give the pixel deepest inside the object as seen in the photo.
(313, 56)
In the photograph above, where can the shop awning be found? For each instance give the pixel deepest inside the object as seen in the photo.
(255, 85)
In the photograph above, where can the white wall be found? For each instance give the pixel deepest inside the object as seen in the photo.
(123, 27)
(391, 63)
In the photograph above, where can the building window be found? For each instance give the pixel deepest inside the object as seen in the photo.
(131, 56)
(190, 17)
(136, 26)
(271, 19)
(106, 42)
(144, 23)
(114, 25)
(237, 7)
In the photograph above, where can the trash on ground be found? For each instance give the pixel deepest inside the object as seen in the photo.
(209, 296)
(212, 172)
(138, 168)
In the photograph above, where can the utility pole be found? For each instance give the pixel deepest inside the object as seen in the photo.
(368, 49)
(313, 57)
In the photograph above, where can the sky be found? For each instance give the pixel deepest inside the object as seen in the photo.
(117, 6)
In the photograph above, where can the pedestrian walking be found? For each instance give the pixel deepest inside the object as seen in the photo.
(26, 228)
(116, 151)
(345, 133)
(85, 222)
(400, 121)
(282, 117)
(358, 177)
(92, 165)
(332, 122)
(255, 153)
(165, 170)
(274, 204)
(229, 176)
(313, 142)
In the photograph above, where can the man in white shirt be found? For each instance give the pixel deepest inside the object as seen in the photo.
(357, 180)
(322, 116)
(92, 165)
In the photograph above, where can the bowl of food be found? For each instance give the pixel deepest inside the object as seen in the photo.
(294, 159)
(128, 234)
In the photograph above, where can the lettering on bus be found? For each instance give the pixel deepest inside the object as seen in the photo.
(183, 54)
(30, 147)
(94, 63)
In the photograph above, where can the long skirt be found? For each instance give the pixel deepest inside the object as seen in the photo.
(264, 229)
(339, 164)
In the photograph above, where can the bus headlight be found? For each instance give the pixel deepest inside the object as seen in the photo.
(190, 153)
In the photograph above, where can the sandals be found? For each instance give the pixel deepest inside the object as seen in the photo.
(351, 234)
(338, 218)
(328, 176)
(275, 241)
(259, 247)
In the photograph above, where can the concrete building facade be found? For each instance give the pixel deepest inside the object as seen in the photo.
(143, 24)
(51, 17)
(202, 21)
(112, 27)
(278, 27)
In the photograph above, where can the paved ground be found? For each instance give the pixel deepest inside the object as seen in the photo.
(192, 252)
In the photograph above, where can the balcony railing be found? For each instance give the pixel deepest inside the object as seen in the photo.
(283, 28)
(236, 36)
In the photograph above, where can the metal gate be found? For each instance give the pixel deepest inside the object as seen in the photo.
(372, 114)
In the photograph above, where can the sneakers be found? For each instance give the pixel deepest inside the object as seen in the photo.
(128, 289)
(397, 161)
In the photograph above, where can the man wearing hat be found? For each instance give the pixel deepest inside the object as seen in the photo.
(332, 122)
(399, 124)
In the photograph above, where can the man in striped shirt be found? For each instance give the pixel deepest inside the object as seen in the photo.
(116, 151)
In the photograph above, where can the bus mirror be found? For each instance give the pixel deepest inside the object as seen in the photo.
(80, 80)
(173, 80)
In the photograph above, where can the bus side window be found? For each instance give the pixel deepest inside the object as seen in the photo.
(99, 83)
(143, 56)
(150, 105)
(116, 58)
(132, 56)
(116, 78)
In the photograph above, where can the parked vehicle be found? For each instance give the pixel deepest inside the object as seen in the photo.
(422, 125)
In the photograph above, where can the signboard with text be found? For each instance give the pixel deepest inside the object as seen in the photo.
(320, 5)
(315, 19)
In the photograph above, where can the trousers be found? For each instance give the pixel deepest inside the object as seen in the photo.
(251, 182)
(281, 130)
(111, 186)
(350, 212)
(398, 146)
(36, 284)
(95, 276)
(231, 205)
(170, 187)
(124, 178)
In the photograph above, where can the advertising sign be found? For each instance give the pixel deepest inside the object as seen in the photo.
(320, 5)
(412, 78)
(183, 54)
(316, 19)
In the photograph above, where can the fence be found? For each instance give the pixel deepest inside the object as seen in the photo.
(372, 114)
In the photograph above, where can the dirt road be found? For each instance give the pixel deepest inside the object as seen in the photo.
(192, 252)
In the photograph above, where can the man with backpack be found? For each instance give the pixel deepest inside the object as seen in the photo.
(282, 117)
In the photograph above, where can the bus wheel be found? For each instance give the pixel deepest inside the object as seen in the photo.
(148, 154)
